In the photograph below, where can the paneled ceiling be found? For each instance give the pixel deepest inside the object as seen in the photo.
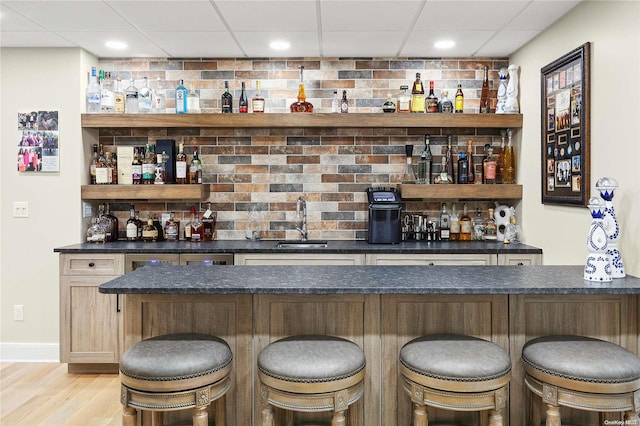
(245, 28)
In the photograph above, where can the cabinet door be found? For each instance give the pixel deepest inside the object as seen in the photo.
(519, 259)
(430, 259)
(90, 321)
(299, 259)
(92, 264)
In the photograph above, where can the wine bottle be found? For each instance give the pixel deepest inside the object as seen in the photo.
(432, 100)
(471, 167)
(136, 168)
(485, 103)
(243, 103)
(449, 163)
(227, 100)
(417, 95)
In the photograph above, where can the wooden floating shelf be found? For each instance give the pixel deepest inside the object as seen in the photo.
(460, 192)
(145, 192)
(293, 120)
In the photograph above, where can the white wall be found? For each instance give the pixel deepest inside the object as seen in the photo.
(613, 28)
(38, 79)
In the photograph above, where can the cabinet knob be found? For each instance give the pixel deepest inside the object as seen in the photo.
(520, 264)
(91, 264)
(431, 263)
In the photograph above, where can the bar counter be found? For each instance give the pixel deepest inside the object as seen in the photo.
(380, 308)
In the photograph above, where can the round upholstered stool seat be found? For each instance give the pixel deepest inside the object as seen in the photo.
(455, 372)
(175, 372)
(311, 374)
(582, 373)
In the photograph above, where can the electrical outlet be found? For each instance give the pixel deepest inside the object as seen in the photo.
(18, 312)
(20, 209)
(87, 211)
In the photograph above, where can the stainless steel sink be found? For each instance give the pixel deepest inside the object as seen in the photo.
(298, 244)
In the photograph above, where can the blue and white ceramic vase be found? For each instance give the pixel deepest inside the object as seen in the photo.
(501, 106)
(598, 266)
(606, 187)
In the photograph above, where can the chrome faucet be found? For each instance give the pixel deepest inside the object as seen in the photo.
(301, 222)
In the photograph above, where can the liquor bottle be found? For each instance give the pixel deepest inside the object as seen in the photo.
(335, 102)
(489, 165)
(404, 100)
(109, 165)
(449, 157)
(96, 232)
(140, 224)
(149, 232)
(181, 165)
(145, 97)
(119, 99)
(112, 230)
(195, 168)
(187, 230)
(478, 226)
(490, 228)
(93, 164)
(106, 93)
(444, 223)
(181, 98)
(93, 93)
(409, 175)
(136, 167)
(509, 175)
(159, 228)
(443, 177)
(159, 97)
(105, 222)
(243, 103)
(459, 100)
(463, 173)
(114, 168)
(132, 225)
(432, 100)
(131, 98)
(471, 167)
(465, 225)
(102, 172)
(193, 102)
(160, 171)
(426, 160)
(454, 224)
(500, 158)
(197, 230)
(208, 224)
(344, 103)
(257, 102)
(389, 105)
(301, 105)
(445, 105)
(148, 167)
(171, 228)
(485, 103)
(417, 95)
(226, 100)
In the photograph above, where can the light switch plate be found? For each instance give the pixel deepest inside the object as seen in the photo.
(20, 209)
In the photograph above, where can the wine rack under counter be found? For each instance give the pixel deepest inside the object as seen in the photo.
(145, 192)
(460, 192)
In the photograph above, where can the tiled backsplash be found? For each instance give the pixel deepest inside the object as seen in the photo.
(269, 168)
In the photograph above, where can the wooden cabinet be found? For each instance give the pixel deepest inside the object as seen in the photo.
(90, 322)
(519, 259)
(430, 259)
(299, 259)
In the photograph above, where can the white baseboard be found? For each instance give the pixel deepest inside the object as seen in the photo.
(29, 352)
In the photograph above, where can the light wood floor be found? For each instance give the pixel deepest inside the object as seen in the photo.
(45, 394)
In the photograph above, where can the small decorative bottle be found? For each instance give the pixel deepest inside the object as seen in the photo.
(445, 105)
(598, 265)
(459, 107)
(96, 232)
(502, 92)
(404, 100)
(606, 187)
(344, 103)
(389, 105)
(149, 232)
(335, 102)
(301, 105)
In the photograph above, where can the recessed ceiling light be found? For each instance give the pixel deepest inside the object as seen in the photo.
(279, 45)
(444, 44)
(119, 45)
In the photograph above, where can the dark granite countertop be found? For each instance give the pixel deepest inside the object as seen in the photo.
(333, 246)
(201, 279)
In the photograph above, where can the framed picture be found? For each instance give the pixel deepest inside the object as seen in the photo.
(565, 110)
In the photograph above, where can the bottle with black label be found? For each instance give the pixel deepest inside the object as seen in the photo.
(432, 100)
(227, 100)
(445, 225)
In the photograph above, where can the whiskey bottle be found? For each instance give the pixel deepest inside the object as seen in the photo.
(509, 175)
(102, 172)
(243, 104)
(132, 225)
(500, 158)
(449, 164)
(148, 166)
(181, 98)
(136, 167)
(193, 102)
(465, 225)
(109, 166)
(93, 93)
(463, 173)
(171, 228)
(93, 164)
(459, 100)
(149, 232)
(445, 105)
(181, 165)
(257, 102)
(226, 100)
(208, 224)
(442, 177)
(145, 97)
(485, 103)
(131, 98)
(489, 165)
(106, 93)
(160, 171)
(432, 100)
(114, 168)
(424, 165)
(490, 228)
(404, 100)
(301, 105)
(197, 230)
(344, 103)
(454, 224)
(195, 168)
(417, 95)
(444, 223)
(119, 99)
(471, 167)
(96, 232)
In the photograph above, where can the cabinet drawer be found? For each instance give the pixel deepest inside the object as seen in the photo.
(92, 264)
(430, 259)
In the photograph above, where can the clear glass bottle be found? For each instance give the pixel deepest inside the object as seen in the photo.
(485, 103)
(160, 171)
(193, 102)
(459, 107)
(389, 105)
(197, 230)
(93, 164)
(442, 177)
(181, 98)
(243, 103)
(335, 102)
(119, 98)
(344, 103)
(490, 228)
(489, 166)
(132, 225)
(404, 100)
(478, 226)
(93, 93)
(131, 98)
(109, 165)
(512, 231)
(159, 97)
(145, 97)
(301, 105)
(106, 93)
(445, 105)
(409, 175)
(432, 100)
(136, 167)
(257, 102)
(509, 175)
(195, 168)
(181, 165)
(226, 100)
(171, 228)
(96, 232)
(444, 223)
(105, 221)
(417, 95)
(149, 232)
(454, 224)
(466, 226)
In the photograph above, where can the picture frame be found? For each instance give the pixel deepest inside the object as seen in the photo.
(565, 115)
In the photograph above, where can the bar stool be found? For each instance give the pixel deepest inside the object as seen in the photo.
(455, 372)
(311, 374)
(174, 372)
(583, 373)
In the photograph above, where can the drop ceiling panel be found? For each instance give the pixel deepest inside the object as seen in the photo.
(256, 44)
(506, 41)
(420, 43)
(138, 45)
(33, 39)
(368, 16)
(197, 44)
(162, 16)
(540, 14)
(242, 15)
(468, 15)
(361, 43)
(12, 21)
